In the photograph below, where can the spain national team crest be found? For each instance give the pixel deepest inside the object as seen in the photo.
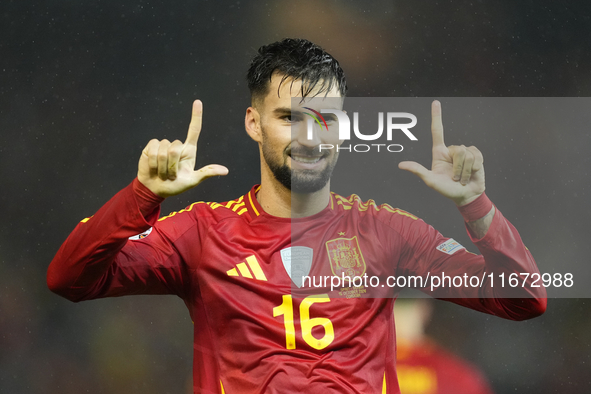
(345, 257)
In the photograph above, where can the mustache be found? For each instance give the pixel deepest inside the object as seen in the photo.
(300, 150)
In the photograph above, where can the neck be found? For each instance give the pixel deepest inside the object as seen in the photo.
(279, 201)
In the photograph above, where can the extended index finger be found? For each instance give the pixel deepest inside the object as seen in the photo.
(436, 124)
(195, 125)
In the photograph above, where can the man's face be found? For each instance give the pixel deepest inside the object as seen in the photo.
(295, 160)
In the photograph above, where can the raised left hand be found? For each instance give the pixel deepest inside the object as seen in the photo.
(457, 172)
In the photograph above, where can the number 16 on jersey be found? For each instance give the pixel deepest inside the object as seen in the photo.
(307, 323)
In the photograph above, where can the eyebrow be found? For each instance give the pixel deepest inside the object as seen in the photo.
(285, 111)
(282, 111)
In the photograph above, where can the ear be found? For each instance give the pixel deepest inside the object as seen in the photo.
(252, 124)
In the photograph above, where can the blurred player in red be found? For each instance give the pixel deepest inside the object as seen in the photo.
(237, 263)
(423, 366)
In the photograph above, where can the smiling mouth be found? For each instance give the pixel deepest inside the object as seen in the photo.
(306, 159)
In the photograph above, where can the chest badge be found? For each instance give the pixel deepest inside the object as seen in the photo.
(345, 257)
(297, 261)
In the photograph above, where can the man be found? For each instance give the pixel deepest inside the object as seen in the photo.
(230, 261)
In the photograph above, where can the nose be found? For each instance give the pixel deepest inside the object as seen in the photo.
(308, 135)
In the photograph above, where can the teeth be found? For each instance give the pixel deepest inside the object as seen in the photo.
(306, 159)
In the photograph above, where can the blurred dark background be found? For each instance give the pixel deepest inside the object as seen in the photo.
(85, 84)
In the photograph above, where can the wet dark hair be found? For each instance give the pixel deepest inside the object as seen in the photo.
(296, 59)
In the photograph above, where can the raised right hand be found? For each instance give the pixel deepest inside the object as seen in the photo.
(168, 169)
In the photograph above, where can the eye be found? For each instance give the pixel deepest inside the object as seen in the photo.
(292, 118)
(330, 118)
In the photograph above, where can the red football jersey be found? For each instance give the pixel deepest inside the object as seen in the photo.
(426, 368)
(256, 330)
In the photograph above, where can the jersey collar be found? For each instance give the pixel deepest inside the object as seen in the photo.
(255, 210)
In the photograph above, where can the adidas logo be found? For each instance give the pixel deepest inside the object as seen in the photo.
(242, 269)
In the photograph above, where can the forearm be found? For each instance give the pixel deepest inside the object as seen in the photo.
(480, 226)
(504, 254)
(478, 215)
(86, 256)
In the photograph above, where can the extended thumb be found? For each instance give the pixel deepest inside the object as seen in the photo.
(208, 171)
(414, 167)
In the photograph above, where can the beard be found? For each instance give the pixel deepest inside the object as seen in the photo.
(301, 180)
